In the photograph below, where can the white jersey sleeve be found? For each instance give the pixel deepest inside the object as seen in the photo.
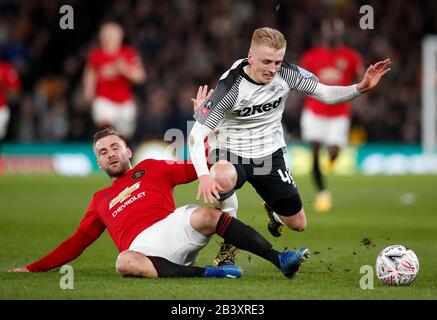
(335, 94)
(298, 78)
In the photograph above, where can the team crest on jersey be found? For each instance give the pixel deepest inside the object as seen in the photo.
(243, 103)
(305, 73)
(277, 88)
(138, 174)
(124, 194)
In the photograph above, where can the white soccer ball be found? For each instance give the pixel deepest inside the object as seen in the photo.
(397, 265)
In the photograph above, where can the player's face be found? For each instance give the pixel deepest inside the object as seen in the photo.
(113, 156)
(265, 62)
(111, 36)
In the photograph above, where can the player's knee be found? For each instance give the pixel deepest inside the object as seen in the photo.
(292, 212)
(297, 222)
(132, 263)
(124, 262)
(205, 220)
(300, 222)
(224, 174)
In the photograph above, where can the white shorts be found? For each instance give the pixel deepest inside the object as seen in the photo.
(172, 238)
(4, 119)
(120, 116)
(329, 131)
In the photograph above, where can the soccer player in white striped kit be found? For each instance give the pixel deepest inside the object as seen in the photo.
(242, 120)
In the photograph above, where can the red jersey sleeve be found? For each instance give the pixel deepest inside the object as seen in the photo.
(180, 172)
(88, 231)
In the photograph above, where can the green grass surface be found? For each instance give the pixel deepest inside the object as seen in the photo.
(39, 212)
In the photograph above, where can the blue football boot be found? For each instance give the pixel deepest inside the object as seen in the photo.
(290, 261)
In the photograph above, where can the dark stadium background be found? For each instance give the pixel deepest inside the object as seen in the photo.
(187, 43)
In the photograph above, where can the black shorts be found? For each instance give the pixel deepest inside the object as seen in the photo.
(269, 175)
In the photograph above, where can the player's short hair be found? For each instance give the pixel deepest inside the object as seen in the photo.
(107, 132)
(268, 36)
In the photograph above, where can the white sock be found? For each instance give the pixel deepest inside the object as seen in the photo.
(277, 219)
(229, 205)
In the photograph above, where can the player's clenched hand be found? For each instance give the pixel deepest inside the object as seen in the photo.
(207, 188)
(373, 74)
(19, 269)
(202, 95)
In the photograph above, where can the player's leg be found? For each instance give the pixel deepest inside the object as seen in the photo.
(290, 212)
(336, 136)
(333, 151)
(314, 131)
(282, 201)
(317, 172)
(159, 255)
(135, 264)
(322, 202)
(230, 175)
(246, 238)
(225, 174)
(132, 263)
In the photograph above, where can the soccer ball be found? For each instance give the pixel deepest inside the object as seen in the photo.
(397, 265)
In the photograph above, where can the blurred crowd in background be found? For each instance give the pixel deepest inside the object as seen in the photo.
(186, 43)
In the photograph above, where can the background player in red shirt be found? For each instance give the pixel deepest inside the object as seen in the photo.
(337, 65)
(153, 237)
(109, 74)
(9, 81)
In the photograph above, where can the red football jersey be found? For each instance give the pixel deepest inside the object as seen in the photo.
(134, 202)
(110, 84)
(8, 81)
(339, 66)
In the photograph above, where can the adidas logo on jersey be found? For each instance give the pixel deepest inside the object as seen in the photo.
(259, 108)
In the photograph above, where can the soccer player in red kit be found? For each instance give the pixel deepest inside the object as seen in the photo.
(109, 74)
(9, 81)
(153, 237)
(328, 125)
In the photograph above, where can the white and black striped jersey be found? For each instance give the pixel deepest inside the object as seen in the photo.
(245, 116)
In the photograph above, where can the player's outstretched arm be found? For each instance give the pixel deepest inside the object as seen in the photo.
(373, 74)
(19, 269)
(337, 94)
(67, 251)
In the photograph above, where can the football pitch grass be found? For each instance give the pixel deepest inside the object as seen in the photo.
(369, 213)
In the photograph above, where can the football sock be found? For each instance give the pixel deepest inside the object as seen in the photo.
(246, 238)
(230, 205)
(168, 269)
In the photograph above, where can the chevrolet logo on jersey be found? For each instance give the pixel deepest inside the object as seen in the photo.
(124, 194)
(259, 108)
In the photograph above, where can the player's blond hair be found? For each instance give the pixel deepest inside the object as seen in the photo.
(270, 37)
